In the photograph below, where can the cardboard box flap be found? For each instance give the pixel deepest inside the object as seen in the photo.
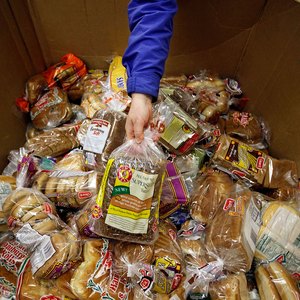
(270, 73)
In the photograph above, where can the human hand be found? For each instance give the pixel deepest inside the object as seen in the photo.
(138, 117)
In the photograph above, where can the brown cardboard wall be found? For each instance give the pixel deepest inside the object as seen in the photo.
(270, 73)
(14, 71)
(207, 34)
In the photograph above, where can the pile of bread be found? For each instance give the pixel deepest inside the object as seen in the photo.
(229, 222)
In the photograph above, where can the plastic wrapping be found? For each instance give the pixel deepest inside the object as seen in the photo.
(54, 142)
(94, 278)
(274, 283)
(166, 271)
(12, 258)
(64, 74)
(73, 161)
(178, 131)
(178, 185)
(212, 94)
(248, 128)
(253, 166)
(232, 233)
(7, 185)
(54, 247)
(51, 110)
(78, 114)
(68, 188)
(233, 286)
(126, 254)
(104, 134)
(131, 186)
(278, 236)
(212, 188)
(31, 288)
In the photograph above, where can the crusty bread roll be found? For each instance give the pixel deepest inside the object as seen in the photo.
(73, 161)
(233, 287)
(211, 189)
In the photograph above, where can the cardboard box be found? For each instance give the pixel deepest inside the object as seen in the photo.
(254, 41)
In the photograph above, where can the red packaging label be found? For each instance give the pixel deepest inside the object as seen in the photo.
(260, 162)
(238, 173)
(47, 208)
(229, 203)
(50, 297)
(84, 194)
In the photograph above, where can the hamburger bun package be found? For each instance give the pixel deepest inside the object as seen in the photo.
(54, 247)
(128, 201)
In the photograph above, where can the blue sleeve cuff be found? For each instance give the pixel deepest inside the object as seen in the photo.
(144, 84)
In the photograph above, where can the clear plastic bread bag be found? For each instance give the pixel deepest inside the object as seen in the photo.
(232, 234)
(178, 132)
(54, 142)
(68, 188)
(248, 128)
(231, 286)
(211, 189)
(128, 201)
(94, 277)
(53, 246)
(13, 256)
(278, 236)
(104, 134)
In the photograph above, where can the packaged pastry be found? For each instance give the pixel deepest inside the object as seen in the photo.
(94, 278)
(212, 95)
(13, 256)
(274, 282)
(54, 248)
(54, 142)
(68, 188)
(252, 165)
(233, 286)
(105, 133)
(165, 273)
(131, 186)
(64, 74)
(212, 188)
(231, 235)
(72, 161)
(7, 185)
(179, 181)
(51, 110)
(31, 288)
(278, 236)
(248, 128)
(178, 131)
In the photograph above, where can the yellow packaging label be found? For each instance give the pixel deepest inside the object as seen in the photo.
(117, 75)
(101, 193)
(131, 200)
(177, 132)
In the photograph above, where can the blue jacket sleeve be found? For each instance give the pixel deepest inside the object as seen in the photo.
(151, 27)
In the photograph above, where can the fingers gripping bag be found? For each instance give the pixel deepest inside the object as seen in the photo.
(232, 233)
(128, 201)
